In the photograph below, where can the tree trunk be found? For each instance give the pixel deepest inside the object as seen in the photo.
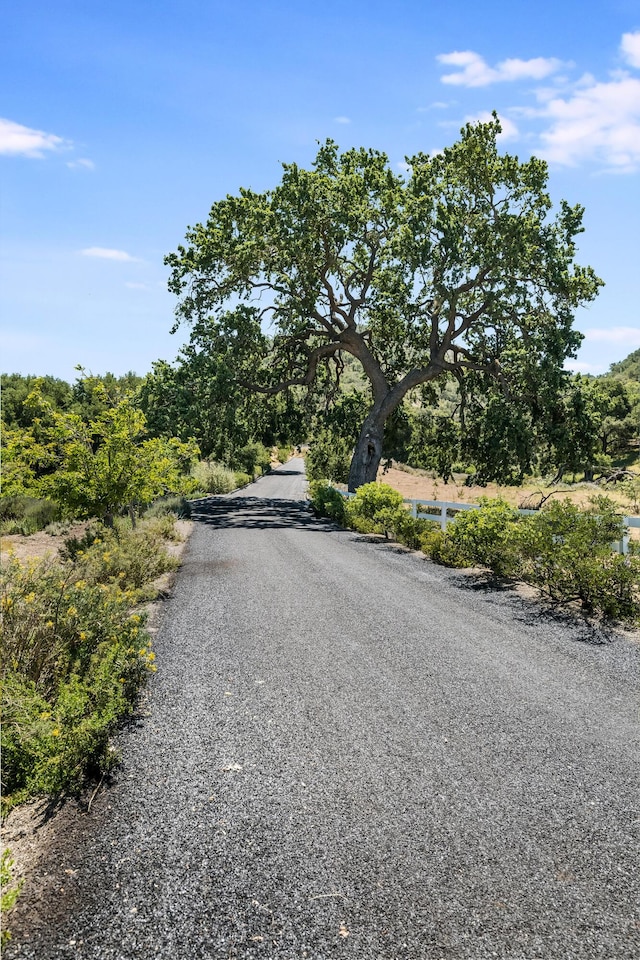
(368, 452)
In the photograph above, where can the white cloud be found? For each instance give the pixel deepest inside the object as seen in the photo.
(509, 129)
(342, 119)
(105, 253)
(628, 336)
(474, 71)
(630, 48)
(600, 121)
(436, 105)
(17, 140)
(403, 166)
(588, 120)
(137, 286)
(81, 163)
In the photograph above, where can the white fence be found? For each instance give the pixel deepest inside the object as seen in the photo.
(444, 511)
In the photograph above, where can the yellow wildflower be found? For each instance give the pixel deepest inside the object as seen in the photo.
(83, 635)
(71, 612)
(7, 603)
(30, 597)
(49, 624)
(55, 733)
(81, 584)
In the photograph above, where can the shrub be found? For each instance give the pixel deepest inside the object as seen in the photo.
(375, 508)
(327, 501)
(171, 503)
(411, 531)
(127, 558)
(485, 537)
(284, 452)
(213, 478)
(253, 458)
(440, 548)
(329, 457)
(73, 657)
(26, 515)
(241, 479)
(566, 553)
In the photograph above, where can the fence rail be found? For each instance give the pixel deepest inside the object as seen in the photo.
(444, 511)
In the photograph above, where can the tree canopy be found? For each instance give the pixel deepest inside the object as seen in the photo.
(91, 467)
(459, 270)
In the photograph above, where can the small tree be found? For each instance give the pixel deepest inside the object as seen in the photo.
(456, 270)
(95, 468)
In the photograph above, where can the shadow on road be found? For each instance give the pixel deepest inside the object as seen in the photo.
(258, 513)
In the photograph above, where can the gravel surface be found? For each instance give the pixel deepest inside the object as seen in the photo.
(348, 751)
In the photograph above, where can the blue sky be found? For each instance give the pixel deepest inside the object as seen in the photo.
(121, 123)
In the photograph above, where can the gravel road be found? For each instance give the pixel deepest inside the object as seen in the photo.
(348, 751)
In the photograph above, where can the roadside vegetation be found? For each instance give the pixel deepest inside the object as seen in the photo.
(80, 464)
(562, 550)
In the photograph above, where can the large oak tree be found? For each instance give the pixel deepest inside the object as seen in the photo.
(459, 269)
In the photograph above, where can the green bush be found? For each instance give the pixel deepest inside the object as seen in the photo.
(566, 553)
(73, 658)
(284, 452)
(375, 508)
(436, 545)
(26, 515)
(128, 559)
(329, 457)
(485, 537)
(411, 531)
(253, 458)
(213, 478)
(327, 501)
(241, 479)
(171, 503)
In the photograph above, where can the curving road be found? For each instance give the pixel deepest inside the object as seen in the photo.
(351, 752)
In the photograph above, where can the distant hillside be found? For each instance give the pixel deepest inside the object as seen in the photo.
(628, 369)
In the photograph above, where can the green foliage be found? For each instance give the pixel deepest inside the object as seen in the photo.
(16, 388)
(9, 892)
(328, 457)
(26, 515)
(631, 489)
(566, 553)
(327, 501)
(376, 508)
(252, 459)
(285, 450)
(434, 442)
(122, 557)
(485, 537)
(199, 398)
(214, 478)
(171, 503)
(74, 653)
(94, 468)
(461, 259)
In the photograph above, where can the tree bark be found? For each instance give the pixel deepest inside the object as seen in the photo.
(368, 451)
